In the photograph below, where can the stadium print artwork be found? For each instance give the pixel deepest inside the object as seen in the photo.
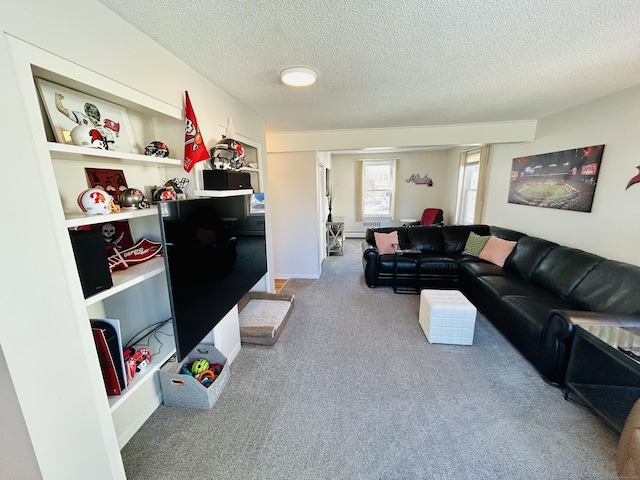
(563, 180)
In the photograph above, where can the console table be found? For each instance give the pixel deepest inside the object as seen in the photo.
(602, 377)
(335, 237)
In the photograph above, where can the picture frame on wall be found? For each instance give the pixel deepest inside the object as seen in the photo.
(564, 180)
(73, 115)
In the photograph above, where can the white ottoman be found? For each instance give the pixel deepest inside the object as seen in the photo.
(446, 316)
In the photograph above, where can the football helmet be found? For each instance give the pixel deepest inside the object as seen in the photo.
(89, 136)
(157, 149)
(130, 198)
(95, 201)
(229, 153)
(164, 193)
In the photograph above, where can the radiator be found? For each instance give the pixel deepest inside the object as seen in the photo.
(371, 224)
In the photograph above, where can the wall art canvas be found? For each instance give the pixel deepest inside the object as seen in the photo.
(70, 112)
(563, 180)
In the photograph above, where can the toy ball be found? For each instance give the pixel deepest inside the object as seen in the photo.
(199, 366)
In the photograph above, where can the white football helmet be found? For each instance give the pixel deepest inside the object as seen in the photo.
(95, 201)
(89, 136)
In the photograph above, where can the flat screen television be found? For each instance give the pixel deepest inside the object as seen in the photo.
(214, 254)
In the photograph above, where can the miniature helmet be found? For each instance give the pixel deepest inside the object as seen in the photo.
(164, 193)
(130, 198)
(179, 184)
(88, 136)
(95, 201)
(156, 149)
(229, 152)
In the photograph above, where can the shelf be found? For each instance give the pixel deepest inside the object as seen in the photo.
(222, 193)
(160, 350)
(81, 218)
(74, 152)
(124, 279)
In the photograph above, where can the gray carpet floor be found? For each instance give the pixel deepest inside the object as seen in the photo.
(353, 390)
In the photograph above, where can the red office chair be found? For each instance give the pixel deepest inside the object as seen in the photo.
(431, 216)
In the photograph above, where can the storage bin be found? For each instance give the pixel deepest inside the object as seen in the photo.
(182, 390)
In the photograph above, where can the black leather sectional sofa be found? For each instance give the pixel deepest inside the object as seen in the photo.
(535, 300)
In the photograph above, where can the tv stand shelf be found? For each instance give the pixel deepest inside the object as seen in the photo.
(161, 350)
(124, 279)
(222, 193)
(77, 219)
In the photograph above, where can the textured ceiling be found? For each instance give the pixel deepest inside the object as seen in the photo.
(401, 63)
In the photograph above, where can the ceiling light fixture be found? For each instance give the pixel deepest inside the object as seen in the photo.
(298, 77)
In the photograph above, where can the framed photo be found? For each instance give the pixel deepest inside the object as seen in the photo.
(111, 181)
(69, 109)
(563, 180)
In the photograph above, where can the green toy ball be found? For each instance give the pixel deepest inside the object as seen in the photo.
(199, 366)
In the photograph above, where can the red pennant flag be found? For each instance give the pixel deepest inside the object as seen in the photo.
(194, 148)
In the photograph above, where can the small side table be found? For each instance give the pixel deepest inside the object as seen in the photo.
(600, 375)
(335, 237)
(411, 253)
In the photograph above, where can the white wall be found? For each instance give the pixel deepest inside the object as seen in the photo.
(612, 228)
(65, 412)
(293, 198)
(411, 199)
(17, 458)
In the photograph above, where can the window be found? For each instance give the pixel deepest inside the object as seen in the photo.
(473, 165)
(378, 188)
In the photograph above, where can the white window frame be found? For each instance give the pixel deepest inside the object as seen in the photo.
(469, 158)
(391, 162)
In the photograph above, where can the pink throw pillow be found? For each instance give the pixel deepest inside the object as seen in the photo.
(385, 241)
(497, 250)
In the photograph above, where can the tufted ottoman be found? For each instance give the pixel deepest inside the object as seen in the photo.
(446, 316)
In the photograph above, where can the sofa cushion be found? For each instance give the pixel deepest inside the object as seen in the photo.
(479, 268)
(438, 265)
(455, 236)
(530, 314)
(385, 242)
(506, 233)
(500, 285)
(475, 244)
(426, 239)
(497, 250)
(563, 268)
(529, 252)
(612, 287)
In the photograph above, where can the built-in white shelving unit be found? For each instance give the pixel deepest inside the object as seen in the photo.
(139, 296)
(84, 154)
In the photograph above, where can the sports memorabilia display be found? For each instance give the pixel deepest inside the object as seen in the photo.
(227, 154)
(157, 149)
(112, 181)
(131, 198)
(95, 201)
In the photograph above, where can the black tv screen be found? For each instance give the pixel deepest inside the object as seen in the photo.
(214, 254)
